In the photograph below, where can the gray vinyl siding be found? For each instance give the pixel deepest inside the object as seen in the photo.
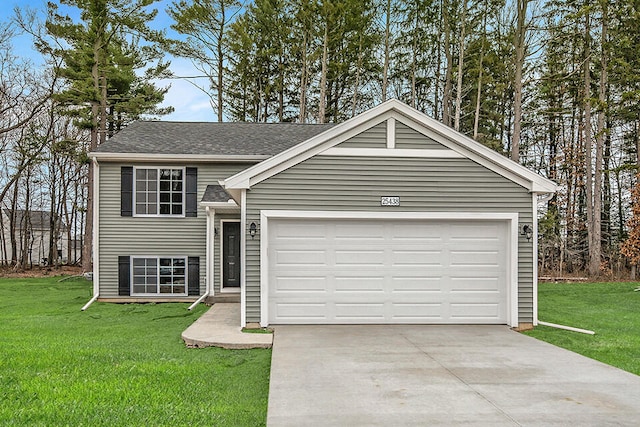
(356, 184)
(375, 137)
(408, 138)
(154, 236)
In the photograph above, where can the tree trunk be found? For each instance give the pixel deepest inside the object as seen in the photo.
(323, 75)
(385, 66)
(595, 243)
(303, 79)
(588, 147)
(476, 117)
(520, 40)
(446, 95)
(220, 63)
(463, 19)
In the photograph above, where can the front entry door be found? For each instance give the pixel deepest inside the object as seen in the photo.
(231, 255)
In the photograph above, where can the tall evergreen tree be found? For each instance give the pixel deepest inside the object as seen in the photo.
(87, 48)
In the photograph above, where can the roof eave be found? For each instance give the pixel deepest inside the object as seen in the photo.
(154, 157)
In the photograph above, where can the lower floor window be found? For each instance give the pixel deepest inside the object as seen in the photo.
(159, 275)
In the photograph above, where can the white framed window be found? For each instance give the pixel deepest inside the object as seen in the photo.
(159, 192)
(159, 276)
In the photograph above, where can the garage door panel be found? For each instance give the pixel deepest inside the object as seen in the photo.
(300, 257)
(412, 312)
(377, 271)
(359, 258)
(416, 284)
(475, 284)
(357, 231)
(417, 258)
(468, 311)
(475, 258)
(359, 312)
(297, 283)
(358, 284)
(299, 231)
(300, 312)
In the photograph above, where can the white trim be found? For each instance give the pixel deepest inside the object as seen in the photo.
(230, 206)
(228, 290)
(158, 214)
(391, 152)
(535, 257)
(158, 257)
(243, 258)
(512, 247)
(155, 157)
(95, 250)
(412, 118)
(391, 133)
(210, 266)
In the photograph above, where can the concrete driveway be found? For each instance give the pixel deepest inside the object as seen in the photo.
(440, 375)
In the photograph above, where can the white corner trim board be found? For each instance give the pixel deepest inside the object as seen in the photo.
(510, 221)
(391, 132)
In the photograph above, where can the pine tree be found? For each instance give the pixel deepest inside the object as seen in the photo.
(91, 57)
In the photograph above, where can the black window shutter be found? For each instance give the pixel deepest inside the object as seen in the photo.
(191, 191)
(124, 276)
(126, 191)
(194, 275)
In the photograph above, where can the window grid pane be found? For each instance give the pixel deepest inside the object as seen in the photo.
(159, 191)
(159, 275)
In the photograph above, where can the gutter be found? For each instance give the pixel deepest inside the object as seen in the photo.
(209, 256)
(96, 235)
(91, 301)
(566, 328)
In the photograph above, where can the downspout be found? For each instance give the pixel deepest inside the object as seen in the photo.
(96, 227)
(208, 264)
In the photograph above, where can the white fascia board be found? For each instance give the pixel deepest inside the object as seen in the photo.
(222, 207)
(391, 152)
(155, 157)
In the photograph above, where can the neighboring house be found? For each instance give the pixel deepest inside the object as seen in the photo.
(390, 217)
(32, 232)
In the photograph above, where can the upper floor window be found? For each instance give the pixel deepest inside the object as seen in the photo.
(159, 191)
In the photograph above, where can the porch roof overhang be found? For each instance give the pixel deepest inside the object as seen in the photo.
(215, 197)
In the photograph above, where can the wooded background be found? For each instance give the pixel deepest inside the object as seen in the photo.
(555, 85)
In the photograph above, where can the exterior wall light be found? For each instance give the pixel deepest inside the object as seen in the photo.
(527, 231)
(252, 230)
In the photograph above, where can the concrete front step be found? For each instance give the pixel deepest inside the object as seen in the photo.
(223, 298)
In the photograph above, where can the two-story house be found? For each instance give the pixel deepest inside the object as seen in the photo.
(390, 217)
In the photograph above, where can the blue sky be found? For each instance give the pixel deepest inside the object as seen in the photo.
(189, 102)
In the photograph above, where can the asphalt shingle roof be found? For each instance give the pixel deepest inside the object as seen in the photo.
(233, 139)
(215, 193)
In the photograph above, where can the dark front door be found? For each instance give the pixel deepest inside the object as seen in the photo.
(231, 255)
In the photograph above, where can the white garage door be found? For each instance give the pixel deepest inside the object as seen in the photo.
(387, 271)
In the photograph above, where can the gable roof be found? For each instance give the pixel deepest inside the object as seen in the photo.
(38, 219)
(205, 141)
(392, 109)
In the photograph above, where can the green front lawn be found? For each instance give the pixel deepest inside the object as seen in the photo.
(612, 310)
(116, 365)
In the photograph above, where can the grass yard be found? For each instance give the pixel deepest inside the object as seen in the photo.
(116, 365)
(612, 310)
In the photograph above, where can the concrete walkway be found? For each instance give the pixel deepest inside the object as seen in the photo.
(220, 327)
(440, 376)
